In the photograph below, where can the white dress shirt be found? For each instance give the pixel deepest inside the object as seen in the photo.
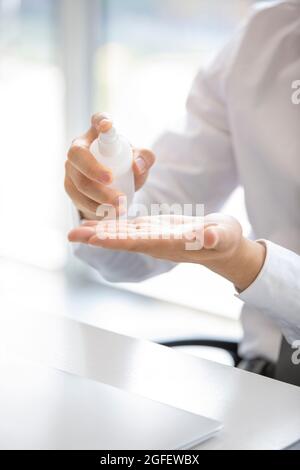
(242, 128)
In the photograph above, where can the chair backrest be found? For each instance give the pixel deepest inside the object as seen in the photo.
(287, 368)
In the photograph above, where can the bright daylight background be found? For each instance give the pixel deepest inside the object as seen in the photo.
(61, 60)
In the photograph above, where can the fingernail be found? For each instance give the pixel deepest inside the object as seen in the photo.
(105, 178)
(213, 238)
(141, 165)
(105, 125)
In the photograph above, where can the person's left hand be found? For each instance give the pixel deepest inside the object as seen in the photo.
(215, 241)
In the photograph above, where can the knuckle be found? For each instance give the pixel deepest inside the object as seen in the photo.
(67, 186)
(83, 183)
(76, 152)
(73, 151)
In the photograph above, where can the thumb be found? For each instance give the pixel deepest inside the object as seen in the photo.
(217, 237)
(143, 161)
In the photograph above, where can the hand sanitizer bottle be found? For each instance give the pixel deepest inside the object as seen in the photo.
(115, 152)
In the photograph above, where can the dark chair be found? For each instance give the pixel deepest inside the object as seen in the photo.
(229, 346)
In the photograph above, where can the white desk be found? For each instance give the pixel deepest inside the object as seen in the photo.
(257, 413)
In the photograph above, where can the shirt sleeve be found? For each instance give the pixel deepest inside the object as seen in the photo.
(276, 290)
(193, 166)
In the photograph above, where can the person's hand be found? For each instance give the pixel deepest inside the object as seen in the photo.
(215, 241)
(87, 181)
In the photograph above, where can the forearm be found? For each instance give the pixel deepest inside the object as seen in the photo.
(120, 266)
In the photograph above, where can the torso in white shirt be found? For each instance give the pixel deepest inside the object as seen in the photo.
(265, 126)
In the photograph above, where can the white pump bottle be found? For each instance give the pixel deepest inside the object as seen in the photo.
(115, 152)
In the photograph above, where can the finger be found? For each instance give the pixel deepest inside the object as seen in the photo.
(81, 234)
(83, 203)
(102, 125)
(130, 228)
(93, 223)
(170, 249)
(95, 191)
(143, 161)
(89, 223)
(127, 229)
(153, 219)
(169, 219)
(82, 159)
(217, 237)
(122, 236)
(101, 122)
(123, 241)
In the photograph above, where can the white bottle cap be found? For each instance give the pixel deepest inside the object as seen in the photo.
(109, 136)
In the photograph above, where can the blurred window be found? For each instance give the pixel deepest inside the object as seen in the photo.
(32, 133)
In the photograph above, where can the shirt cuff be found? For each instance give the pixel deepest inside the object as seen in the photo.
(257, 286)
(276, 288)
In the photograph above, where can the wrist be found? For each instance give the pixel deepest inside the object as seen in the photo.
(242, 265)
(247, 263)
